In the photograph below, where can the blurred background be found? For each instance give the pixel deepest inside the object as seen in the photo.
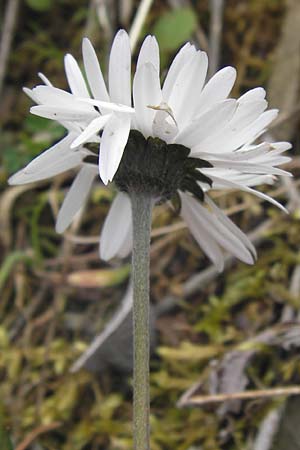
(211, 334)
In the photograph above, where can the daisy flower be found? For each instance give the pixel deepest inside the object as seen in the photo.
(76, 112)
(180, 139)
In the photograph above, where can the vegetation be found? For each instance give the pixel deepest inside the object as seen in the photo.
(222, 333)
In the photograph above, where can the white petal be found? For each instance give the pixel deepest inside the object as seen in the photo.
(30, 94)
(253, 95)
(281, 146)
(241, 179)
(210, 122)
(75, 197)
(51, 96)
(220, 231)
(146, 92)
(184, 96)
(164, 126)
(220, 183)
(234, 139)
(50, 156)
(231, 226)
(243, 154)
(249, 167)
(66, 162)
(246, 113)
(108, 106)
(93, 71)
(208, 245)
(116, 235)
(149, 53)
(75, 78)
(63, 114)
(44, 79)
(249, 133)
(182, 57)
(113, 142)
(93, 128)
(119, 69)
(218, 88)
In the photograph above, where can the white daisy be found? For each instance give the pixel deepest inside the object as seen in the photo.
(217, 130)
(82, 115)
(76, 112)
(186, 137)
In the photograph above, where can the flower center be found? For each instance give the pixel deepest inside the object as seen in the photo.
(159, 169)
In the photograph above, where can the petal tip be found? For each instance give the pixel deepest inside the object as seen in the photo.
(59, 229)
(12, 180)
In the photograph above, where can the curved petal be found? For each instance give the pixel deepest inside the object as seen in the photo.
(93, 128)
(75, 197)
(74, 77)
(116, 234)
(93, 71)
(52, 155)
(149, 53)
(113, 142)
(220, 183)
(231, 226)
(218, 88)
(52, 96)
(182, 57)
(231, 139)
(119, 69)
(207, 244)
(208, 124)
(253, 95)
(249, 133)
(218, 230)
(66, 162)
(146, 92)
(44, 79)
(30, 94)
(184, 96)
(248, 167)
(246, 113)
(62, 114)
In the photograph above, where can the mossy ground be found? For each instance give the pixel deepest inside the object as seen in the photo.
(46, 322)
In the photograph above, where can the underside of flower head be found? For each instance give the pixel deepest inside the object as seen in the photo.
(159, 169)
(183, 137)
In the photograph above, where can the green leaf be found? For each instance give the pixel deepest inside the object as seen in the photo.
(39, 5)
(5, 441)
(174, 27)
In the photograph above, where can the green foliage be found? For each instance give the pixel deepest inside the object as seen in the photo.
(5, 441)
(35, 137)
(46, 323)
(40, 5)
(8, 264)
(174, 27)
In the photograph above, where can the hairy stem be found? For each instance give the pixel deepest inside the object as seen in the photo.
(141, 214)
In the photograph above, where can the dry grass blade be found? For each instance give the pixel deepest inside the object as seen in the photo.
(37, 432)
(198, 400)
(7, 36)
(139, 21)
(7, 201)
(216, 25)
(287, 67)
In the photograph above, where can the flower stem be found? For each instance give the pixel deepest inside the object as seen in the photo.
(141, 215)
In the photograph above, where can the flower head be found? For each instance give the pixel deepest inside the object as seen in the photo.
(182, 138)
